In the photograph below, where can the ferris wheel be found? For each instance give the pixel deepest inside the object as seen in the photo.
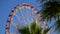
(20, 15)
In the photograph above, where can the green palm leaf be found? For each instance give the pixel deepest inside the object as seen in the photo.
(52, 11)
(34, 29)
(24, 30)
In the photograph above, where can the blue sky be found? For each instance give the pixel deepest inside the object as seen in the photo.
(6, 6)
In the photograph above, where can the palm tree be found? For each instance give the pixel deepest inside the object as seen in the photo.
(24, 30)
(52, 12)
(34, 29)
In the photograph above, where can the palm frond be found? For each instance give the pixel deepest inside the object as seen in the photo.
(57, 24)
(51, 10)
(46, 30)
(24, 30)
(34, 29)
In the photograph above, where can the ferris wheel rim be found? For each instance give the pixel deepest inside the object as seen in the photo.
(12, 13)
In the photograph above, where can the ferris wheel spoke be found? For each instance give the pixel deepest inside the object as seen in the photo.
(22, 15)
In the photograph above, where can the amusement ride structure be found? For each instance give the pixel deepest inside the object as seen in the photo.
(18, 16)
